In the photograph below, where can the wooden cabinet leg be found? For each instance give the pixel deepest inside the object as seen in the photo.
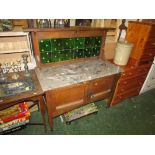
(50, 119)
(43, 110)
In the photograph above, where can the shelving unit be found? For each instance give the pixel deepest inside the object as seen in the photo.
(13, 45)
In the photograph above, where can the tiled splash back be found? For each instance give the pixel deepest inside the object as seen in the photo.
(54, 50)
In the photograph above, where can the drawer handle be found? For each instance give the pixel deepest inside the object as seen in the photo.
(96, 84)
(122, 90)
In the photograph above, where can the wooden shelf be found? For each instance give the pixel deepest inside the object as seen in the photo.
(15, 51)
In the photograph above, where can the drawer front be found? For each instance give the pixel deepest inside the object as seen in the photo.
(123, 82)
(126, 85)
(120, 97)
(138, 71)
(148, 55)
(100, 88)
(152, 32)
(150, 44)
(68, 95)
(102, 84)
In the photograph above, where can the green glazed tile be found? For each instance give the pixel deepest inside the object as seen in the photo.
(96, 51)
(63, 55)
(88, 52)
(78, 53)
(97, 41)
(57, 44)
(69, 54)
(55, 57)
(79, 43)
(68, 43)
(55, 50)
(45, 45)
(45, 57)
(89, 42)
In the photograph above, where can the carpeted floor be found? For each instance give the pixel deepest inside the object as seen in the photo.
(134, 116)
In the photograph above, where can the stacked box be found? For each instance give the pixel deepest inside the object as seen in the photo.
(14, 117)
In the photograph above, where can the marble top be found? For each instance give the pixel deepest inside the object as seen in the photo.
(64, 75)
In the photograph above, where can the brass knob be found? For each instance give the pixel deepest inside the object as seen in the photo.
(96, 84)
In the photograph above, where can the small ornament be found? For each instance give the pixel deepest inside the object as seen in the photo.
(25, 61)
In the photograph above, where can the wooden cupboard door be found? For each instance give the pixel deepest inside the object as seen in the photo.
(67, 98)
(100, 88)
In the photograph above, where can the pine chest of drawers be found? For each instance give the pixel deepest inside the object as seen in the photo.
(130, 82)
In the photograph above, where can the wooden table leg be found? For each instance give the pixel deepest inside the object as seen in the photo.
(43, 110)
(50, 118)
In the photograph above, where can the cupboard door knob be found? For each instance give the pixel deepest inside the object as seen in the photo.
(125, 82)
(96, 84)
(122, 90)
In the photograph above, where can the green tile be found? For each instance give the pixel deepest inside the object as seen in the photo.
(96, 51)
(45, 45)
(97, 41)
(79, 43)
(45, 57)
(54, 50)
(68, 43)
(57, 44)
(78, 53)
(55, 57)
(88, 52)
(63, 55)
(89, 42)
(69, 54)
